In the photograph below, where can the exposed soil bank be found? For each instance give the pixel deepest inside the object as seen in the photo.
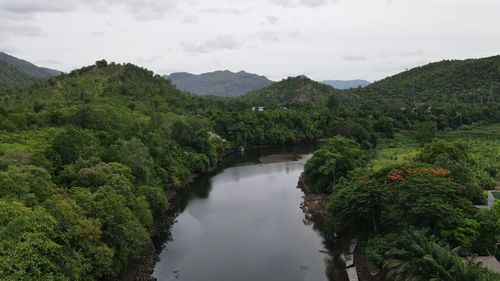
(313, 204)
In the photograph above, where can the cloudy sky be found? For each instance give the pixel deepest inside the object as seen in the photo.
(324, 39)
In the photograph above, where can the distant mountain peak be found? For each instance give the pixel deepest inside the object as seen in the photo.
(28, 67)
(219, 83)
(17, 73)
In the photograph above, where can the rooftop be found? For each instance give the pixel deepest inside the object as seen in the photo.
(489, 262)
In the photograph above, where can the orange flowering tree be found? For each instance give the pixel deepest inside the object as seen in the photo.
(397, 198)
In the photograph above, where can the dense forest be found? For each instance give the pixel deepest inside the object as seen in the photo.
(85, 159)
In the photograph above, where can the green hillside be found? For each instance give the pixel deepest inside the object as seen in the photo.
(451, 93)
(85, 157)
(13, 78)
(467, 81)
(300, 89)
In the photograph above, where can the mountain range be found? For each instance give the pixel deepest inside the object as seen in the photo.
(469, 81)
(219, 83)
(17, 73)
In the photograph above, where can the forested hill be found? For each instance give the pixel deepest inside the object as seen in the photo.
(346, 84)
(219, 83)
(300, 89)
(468, 81)
(17, 73)
(85, 157)
(13, 78)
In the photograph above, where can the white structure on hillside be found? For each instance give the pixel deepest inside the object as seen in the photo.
(258, 108)
(492, 197)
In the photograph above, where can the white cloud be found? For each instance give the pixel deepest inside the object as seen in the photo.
(190, 19)
(35, 6)
(283, 3)
(226, 42)
(313, 3)
(354, 58)
(140, 9)
(325, 39)
(272, 19)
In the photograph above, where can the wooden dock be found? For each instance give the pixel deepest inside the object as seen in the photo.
(352, 274)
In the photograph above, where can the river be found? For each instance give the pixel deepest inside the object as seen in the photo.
(244, 223)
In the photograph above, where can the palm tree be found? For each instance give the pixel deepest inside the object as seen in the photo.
(416, 258)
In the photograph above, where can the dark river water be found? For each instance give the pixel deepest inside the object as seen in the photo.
(244, 223)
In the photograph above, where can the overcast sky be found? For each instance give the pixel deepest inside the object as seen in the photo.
(323, 39)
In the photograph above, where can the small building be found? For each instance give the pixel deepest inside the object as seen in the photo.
(489, 262)
(492, 197)
(258, 108)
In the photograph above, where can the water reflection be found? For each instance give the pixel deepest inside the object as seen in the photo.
(244, 223)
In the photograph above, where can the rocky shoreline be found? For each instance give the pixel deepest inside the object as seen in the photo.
(313, 204)
(316, 205)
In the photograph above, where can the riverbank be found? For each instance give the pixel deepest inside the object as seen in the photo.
(313, 204)
(316, 205)
(141, 266)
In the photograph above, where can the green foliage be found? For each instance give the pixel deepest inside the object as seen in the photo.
(85, 157)
(332, 163)
(489, 232)
(424, 132)
(396, 198)
(31, 248)
(400, 150)
(410, 255)
(385, 125)
(291, 91)
(135, 155)
(69, 146)
(466, 166)
(12, 78)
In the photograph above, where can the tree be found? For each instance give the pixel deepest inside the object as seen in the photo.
(412, 256)
(29, 247)
(136, 155)
(489, 232)
(424, 132)
(333, 162)
(450, 155)
(385, 125)
(70, 145)
(396, 198)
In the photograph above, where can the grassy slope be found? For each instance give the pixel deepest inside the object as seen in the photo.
(484, 144)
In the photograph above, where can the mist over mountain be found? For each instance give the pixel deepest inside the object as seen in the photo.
(346, 84)
(219, 83)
